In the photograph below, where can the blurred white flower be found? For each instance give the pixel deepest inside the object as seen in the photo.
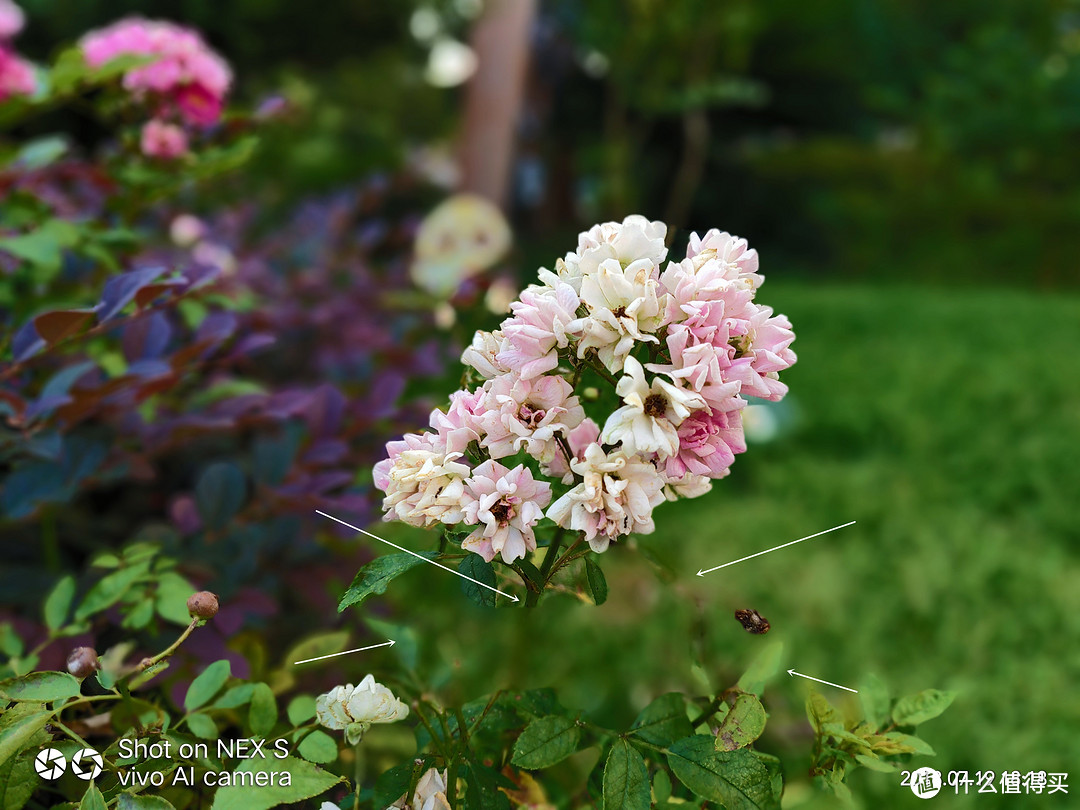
(450, 63)
(463, 236)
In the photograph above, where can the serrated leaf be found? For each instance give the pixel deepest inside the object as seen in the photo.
(743, 724)
(392, 784)
(475, 567)
(738, 780)
(220, 493)
(40, 687)
(92, 799)
(482, 788)
(307, 781)
(910, 744)
(763, 668)
(597, 581)
(58, 603)
(207, 684)
(374, 577)
(234, 697)
(17, 733)
(545, 741)
(170, 599)
(318, 746)
(926, 705)
(263, 713)
(626, 779)
(18, 781)
(663, 721)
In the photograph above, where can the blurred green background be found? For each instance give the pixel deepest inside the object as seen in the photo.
(908, 171)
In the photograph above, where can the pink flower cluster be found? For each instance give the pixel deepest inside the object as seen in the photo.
(16, 74)
(183, 78)
(682, 346)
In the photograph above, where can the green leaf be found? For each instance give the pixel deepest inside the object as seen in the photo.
(871, 762)
(206, 684)
(171, 597)
(307, 781)
(18, 781)
(92, 799)
(626, 779)
(908, 744)
(318, 746)
(743, 724)
(874, 699)
(17, 733)
(663, 721)
(474, 566)
(597, 581)
(377, 574)
(234, 697)
(301, 709)
(738, 780)
(220, 493)
(482, 788)
(763, 668)
(58, 603)
(110, 590)
(315, 646)
(926, 705)
(661, 786)
(129, 801)
(819, 711)
(202, 726)
(263, 712)
(546, 741)
(40, 687)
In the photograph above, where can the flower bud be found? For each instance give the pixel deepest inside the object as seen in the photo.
(202, 605)
(83, 662)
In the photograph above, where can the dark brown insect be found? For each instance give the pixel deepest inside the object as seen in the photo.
(752, 621)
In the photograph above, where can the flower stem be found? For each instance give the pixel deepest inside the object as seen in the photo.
(552, 553)
(146, 663)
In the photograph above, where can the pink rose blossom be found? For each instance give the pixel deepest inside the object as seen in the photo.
(460, 424)
(707, 444)
(424, 484)
(528, 414)
(504, 505)
(588, 432)
(162, 140)
(538, 329)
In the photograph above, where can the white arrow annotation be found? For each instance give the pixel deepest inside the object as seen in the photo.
(418, 556)
(827, 683)
(390, 643)
(705, 571)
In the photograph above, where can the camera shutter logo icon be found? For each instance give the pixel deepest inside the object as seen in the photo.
(50, 763)
(87, 764)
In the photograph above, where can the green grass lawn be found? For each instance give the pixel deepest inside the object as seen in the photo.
(946, 422)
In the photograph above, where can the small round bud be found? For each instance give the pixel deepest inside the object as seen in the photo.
(202, 605)
(83, 662)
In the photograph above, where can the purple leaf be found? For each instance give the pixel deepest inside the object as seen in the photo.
(62, 323)
(216, 327)
(120, 290)
(146, 338)
(26, 343)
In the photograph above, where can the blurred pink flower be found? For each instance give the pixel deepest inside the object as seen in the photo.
(16, 75)
(184, 73)
(162, 140)
(11, 19)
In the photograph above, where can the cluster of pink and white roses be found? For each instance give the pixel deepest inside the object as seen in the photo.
(682, 345)
(182, 79)
(16, 74)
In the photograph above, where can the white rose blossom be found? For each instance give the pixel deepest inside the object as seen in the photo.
(356, 708)
(430, 793)
(648, 422)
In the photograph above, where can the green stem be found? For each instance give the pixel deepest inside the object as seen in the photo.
(552, 552)
(146, 663)
(709, 711)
